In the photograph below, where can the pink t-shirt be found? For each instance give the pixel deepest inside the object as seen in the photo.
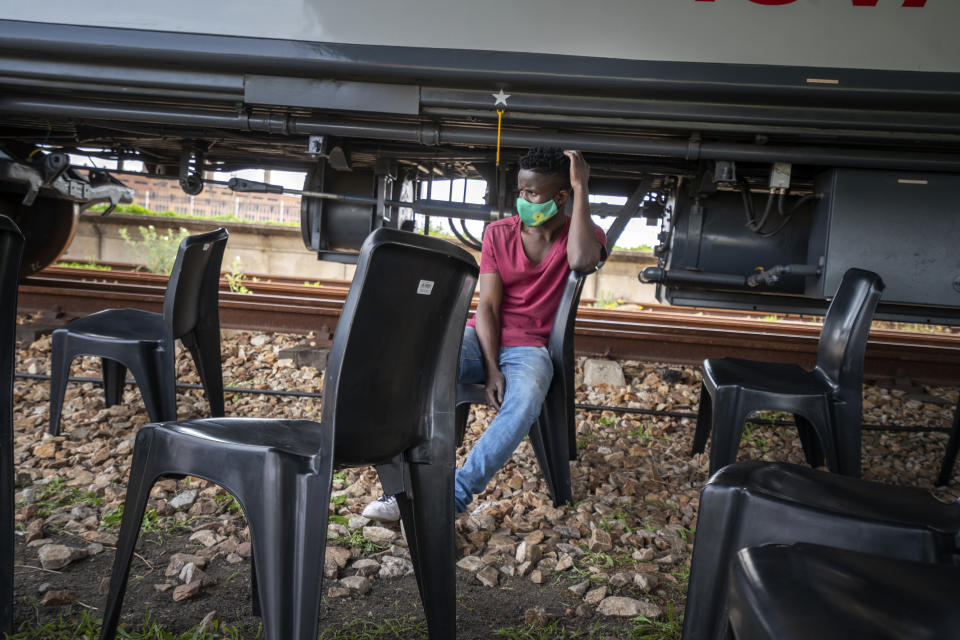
(531, 292)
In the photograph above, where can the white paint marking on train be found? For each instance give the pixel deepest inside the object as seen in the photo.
(822, 81)
(910, 181)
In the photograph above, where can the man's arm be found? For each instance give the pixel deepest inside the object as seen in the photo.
(583, 250)
(488, 334)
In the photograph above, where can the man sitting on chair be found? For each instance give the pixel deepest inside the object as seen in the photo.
(524, 266)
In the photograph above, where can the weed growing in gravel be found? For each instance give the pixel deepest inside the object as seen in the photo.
(553, 631)
(358, 541)
(639, 433)
(598, 559)
(56, 494)
(616, 521)
(646, 629)
(751, 436)
(229, 504)
(152, 523)
(402, 628)
(84, 627)
(682, 574)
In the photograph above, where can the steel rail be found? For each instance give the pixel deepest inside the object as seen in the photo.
(658, 335)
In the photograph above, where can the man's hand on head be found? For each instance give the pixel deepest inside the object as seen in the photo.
(579, 170)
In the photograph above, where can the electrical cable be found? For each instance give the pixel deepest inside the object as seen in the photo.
(787, 215)
(747, 200)
(476, 242)
(580, 406)
(766, 213)
(796, 205)
(464, 240)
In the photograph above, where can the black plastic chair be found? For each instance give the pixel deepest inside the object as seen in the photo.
(953, 445)
(143, 342)
(825, 402)
(388, 400)
(807, 591)
(753, 503)
(554, 434)
(11, 252)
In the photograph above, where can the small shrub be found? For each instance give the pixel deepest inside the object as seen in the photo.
(606, 300)
(235, 276)
(155, 252)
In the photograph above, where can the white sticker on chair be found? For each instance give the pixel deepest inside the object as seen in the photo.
(425, 287)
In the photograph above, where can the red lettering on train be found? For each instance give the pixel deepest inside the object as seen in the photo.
(856, 3)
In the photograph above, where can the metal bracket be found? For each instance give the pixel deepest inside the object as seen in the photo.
(627, 212)
(102, 187)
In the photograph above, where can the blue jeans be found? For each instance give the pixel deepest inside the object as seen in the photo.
(528, 372)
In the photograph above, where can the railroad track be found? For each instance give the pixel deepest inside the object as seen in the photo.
(657, 333)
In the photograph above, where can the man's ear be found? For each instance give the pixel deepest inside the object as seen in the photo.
(562, 196)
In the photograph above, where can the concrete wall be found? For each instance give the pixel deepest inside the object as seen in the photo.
(277, 250)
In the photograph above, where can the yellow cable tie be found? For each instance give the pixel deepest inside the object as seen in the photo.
(499, 121)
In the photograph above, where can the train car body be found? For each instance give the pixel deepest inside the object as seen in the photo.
(776, 142)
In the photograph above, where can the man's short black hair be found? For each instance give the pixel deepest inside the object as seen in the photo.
(547, 160)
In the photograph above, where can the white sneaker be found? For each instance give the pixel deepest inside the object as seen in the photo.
(384, 509)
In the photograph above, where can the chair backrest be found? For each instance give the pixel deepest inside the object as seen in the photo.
(843, 340)
(11, 252)
(559, 405)
(193, 290)
(392, 371)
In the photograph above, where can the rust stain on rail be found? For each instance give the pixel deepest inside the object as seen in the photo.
(664, 334)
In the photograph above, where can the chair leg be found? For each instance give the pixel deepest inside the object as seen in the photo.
(549, 439)
(138, 492)
(704, 416)
(950, 456)
(204, 346)
(721, 512)
(809, 441)
(254, 589)
(154, 373)
(727, 418)
(59, 372)
(428, 523)
(846, 419)
(6, 522)
(460, 421)
(114, 378)
(289, 541)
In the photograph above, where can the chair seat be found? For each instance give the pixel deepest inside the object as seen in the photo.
(295, 437)
(130, 325)
(764, 377)
(810, 591)
(855, 498)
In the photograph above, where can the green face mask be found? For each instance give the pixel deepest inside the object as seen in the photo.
(534, 215)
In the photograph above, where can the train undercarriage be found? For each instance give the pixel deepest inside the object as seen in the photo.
(766, 187)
